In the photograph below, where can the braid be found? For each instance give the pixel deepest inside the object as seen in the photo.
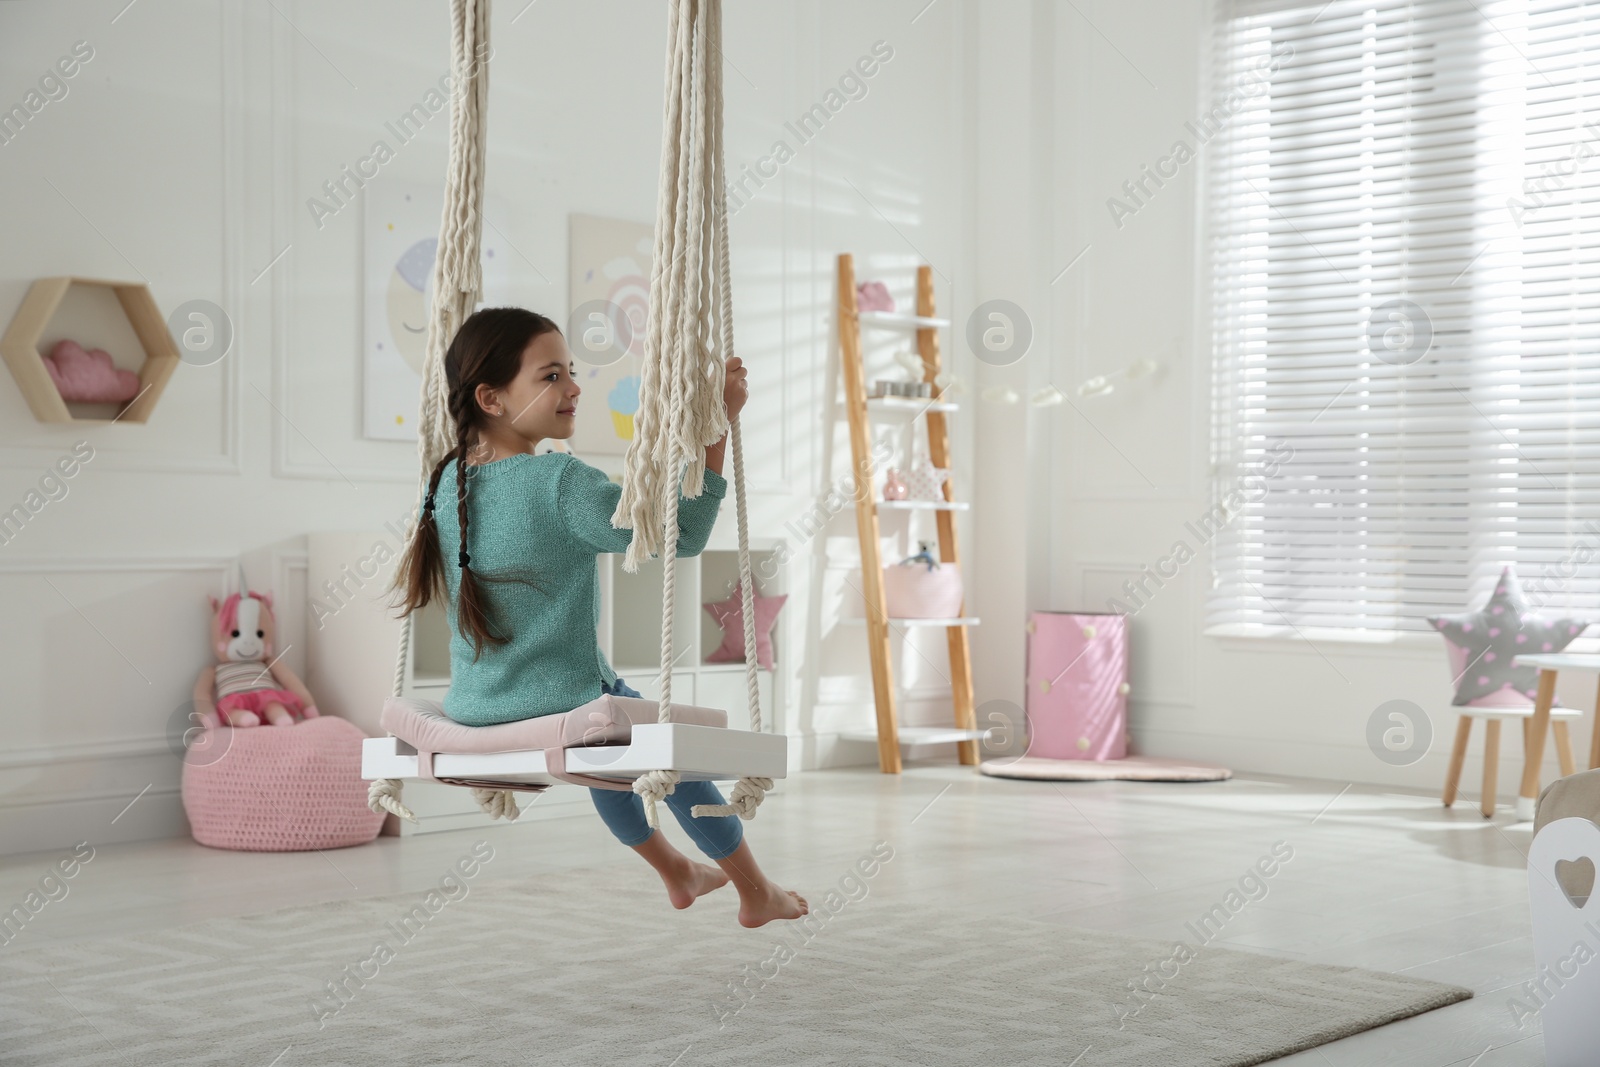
(419, 578)
(487, 350)
(471, 609)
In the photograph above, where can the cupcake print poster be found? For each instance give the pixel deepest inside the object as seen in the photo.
(608, 274)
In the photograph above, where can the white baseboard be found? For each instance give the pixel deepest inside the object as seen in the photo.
(51, 824)
(1352, 763)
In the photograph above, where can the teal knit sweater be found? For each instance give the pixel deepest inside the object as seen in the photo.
(550, 514)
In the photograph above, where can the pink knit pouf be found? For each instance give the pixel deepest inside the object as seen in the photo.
(279, 788)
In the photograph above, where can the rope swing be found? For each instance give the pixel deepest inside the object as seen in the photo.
(457, 289)
(688, 340)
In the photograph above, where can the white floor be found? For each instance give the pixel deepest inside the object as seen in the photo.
(1381, 880)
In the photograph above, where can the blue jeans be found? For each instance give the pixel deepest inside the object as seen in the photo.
(623, 813)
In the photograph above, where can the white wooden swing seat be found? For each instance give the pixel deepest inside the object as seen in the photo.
(606, 744)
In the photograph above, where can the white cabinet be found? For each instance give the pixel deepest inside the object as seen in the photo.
(723, 686)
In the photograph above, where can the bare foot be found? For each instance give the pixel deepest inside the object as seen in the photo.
(775, 902)
(691, 881)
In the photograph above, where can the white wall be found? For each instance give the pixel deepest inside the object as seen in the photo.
(1135, 464)
(184, 154)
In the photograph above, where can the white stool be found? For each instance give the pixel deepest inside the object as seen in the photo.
(1494, 716)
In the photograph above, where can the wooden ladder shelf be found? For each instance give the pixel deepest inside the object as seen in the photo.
(890, 736)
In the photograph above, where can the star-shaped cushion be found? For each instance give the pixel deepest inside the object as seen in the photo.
(926, 482)
(1490, 637)
(729, 615)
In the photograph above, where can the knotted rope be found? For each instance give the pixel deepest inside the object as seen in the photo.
(497, 803)
(457, 288)
(384, 795)
(691, 291)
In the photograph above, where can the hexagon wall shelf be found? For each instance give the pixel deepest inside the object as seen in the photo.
(20, 347)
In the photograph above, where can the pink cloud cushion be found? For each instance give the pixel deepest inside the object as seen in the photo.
(89, 377)
(279, 788)
(729, 614)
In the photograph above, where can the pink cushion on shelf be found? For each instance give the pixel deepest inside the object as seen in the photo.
(89, 376)
(729, 614)
(279, 788)
(926, 481)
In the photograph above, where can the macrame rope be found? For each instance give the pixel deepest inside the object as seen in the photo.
(457, 288)
(678, 337)
(747, 793)
(688, 341)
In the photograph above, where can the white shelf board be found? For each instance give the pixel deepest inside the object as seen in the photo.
(919, 735)
(894, 320)
(624, 669)
(908, 404)
(924, 505)
(626, 672)
(968, 620)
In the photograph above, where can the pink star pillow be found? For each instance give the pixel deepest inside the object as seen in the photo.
(729, 614)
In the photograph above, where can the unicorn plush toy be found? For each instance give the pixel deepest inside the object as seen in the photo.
(248, 683)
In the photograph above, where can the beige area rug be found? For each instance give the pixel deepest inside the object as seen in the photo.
(1132, 769)
(594, 967)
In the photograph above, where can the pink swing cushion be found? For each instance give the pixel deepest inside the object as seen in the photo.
(606, 720)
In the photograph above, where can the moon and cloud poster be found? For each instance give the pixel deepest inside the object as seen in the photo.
(402, 237)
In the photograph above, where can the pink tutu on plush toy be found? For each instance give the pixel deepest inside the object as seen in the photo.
(256, 700)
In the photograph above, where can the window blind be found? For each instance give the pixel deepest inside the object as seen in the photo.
(1404, 253)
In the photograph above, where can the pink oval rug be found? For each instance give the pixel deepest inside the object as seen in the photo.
(1132, 768)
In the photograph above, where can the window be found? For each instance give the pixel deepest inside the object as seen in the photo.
(1403, 208)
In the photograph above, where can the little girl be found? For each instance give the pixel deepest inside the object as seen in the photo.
(515, 561)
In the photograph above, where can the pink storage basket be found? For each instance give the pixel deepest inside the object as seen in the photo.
(279, 788)
(1077, 686)
(915, 592)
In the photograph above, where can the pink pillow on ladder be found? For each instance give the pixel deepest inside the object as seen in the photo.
(873, 296)
(729, 614)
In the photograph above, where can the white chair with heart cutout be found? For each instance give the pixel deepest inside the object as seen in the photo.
(1566, 922)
